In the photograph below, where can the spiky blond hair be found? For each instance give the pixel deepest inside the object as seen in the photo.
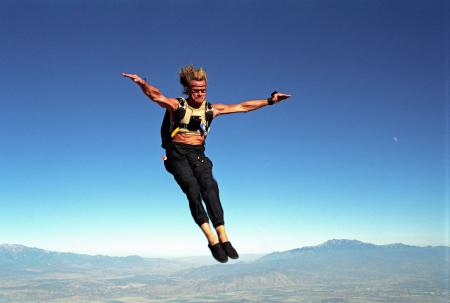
(189, 73)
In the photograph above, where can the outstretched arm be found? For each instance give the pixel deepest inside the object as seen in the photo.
(153, 93)
(243, 107)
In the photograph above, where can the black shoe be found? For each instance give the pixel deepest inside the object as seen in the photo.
(218, 253)
(229, 250)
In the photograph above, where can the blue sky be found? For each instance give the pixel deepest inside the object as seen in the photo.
(360, 150)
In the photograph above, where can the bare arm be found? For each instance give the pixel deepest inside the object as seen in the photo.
(246, 106)
(153, 93)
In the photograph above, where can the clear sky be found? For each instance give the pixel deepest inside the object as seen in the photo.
(360, 150)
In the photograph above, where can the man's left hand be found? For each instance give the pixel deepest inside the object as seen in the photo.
(277, 97)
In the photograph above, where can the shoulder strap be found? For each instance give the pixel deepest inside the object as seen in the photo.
(181, 111)
(208, 114)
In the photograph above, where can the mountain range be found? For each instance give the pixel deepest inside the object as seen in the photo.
(349, 266)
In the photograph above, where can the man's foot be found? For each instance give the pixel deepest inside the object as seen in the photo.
(218, 252)
(229, 250)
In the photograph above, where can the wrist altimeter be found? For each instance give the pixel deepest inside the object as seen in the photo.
(270, 100)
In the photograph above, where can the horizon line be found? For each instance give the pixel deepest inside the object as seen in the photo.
(206, 255)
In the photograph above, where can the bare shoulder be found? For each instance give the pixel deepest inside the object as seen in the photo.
(170, 103)
(218, 109)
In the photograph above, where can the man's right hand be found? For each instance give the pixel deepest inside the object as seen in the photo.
(134, 77)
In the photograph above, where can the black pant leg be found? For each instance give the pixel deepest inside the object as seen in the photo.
(178, 165)
(209, 188)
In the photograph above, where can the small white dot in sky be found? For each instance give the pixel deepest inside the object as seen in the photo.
(395, 139)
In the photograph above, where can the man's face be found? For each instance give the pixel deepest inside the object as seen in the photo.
(197, 91)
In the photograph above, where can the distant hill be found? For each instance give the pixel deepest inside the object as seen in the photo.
(358, 253)
(357, 258)
(16, 259)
